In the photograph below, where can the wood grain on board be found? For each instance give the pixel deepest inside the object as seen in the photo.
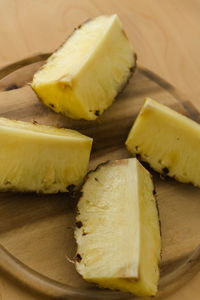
(166, 37)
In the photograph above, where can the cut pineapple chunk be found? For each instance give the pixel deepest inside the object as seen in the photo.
(117, 229)
(82, 78)
(40, 158)
(168, 141)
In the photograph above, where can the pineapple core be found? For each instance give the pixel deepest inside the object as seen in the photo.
(82, 78)
(168, 141)
(41, 159)
(117, 229)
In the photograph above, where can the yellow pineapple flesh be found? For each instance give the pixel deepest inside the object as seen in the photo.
(42, 159)
(168, 141)
(82, 78)
(117, 229)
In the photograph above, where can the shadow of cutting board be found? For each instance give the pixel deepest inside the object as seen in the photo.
(37, 230)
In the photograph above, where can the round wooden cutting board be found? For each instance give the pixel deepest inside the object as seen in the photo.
(36, 231)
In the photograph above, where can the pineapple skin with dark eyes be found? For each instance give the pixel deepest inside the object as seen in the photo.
(117, 229)
(168, 141)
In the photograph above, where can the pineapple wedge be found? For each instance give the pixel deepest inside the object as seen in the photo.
(42, 159)
(117, 229)
(168, 141)
(82, 78)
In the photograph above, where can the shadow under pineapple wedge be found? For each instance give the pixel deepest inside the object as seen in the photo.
(36, 231)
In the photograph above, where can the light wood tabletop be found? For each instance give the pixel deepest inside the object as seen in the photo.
(165, 35)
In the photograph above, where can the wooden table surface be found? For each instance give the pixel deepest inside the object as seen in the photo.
(165, 35)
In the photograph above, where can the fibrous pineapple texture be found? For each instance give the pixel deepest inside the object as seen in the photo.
(117, 229)
(82, 78)
(168, 141)
(42, 159)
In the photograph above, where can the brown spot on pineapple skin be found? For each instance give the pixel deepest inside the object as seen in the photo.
(51, 105)
(79, 224)
(81, 25)
(71, 187)
(96, 179)
(97, 113)
(165, 171)
(78, 257)
(162, 177)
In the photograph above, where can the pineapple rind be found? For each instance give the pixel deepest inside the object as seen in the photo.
(42, 159)
(86, 83)
(168, 141)
(116, 274)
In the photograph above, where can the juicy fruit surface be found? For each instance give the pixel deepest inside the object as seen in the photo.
(117, 230)
(82, 78)
(40, 158)
(168, 141)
